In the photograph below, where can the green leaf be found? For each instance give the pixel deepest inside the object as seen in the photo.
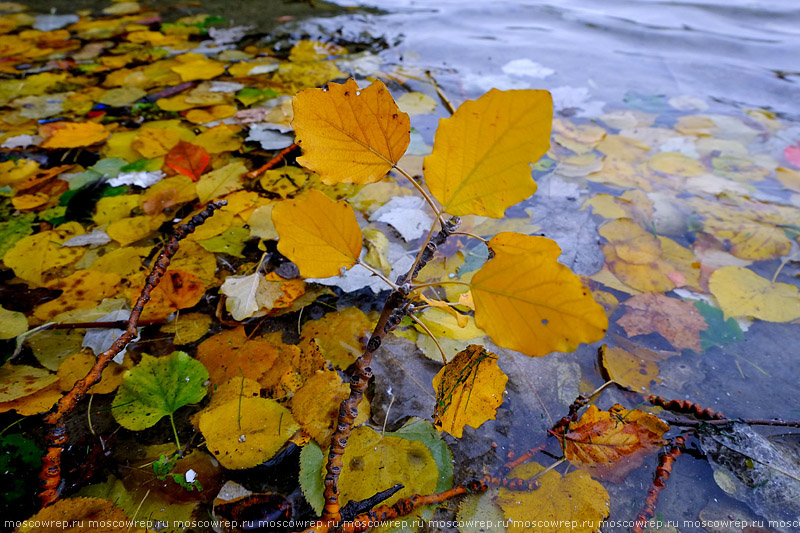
(13, 230)
(720, 331)
(231, 242)
(19, 456)
(157, 387)
(311, 477)
(424, 432)
(249, 95)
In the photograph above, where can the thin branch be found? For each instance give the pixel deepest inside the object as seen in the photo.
(378, 273)
(431, 335)
(725, 421)
(439, 283)
(415, 266)
(421, 190)
(440, 92)
(467, 234)
(274, 161)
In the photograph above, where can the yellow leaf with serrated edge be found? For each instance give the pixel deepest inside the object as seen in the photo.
(245, 432)
(743, 293)
(350, 135)
(321, 236)
(574, 503)
(340, 335)
(533, 304)
(609, 444)
(469, 389)
(480, 164)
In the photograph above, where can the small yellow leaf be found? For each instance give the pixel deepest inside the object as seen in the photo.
(350, 135)
(155, 142)
(480, 164)
(34, 255)
(633, 370)
(574, 503)
(316, 404)
(29, 201)
(221, 181)
(743, 293)
(340, 335)
(321, 236)
(198, 68)
(469, 389)
(222, 138)
(129, 230)
(533, 304)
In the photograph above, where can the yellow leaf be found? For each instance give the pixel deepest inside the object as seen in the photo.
(372, 461)
(15, 171)
(113, 208)
(574, 503)
(77, 515)
(316, 405)
(81, 290)
(221, 181)
(78, 365)
(480, 164)
(609, 444)
(248, 296)
(155, 142)
(245, 432)
(73, 134)
(222, 138)
(321, 236)
(261, 225)
(445, 323)
(34, 255)
(340, 335)
(197, 68)
(217, 112)
(17, 381)
(789, 178)
(676, 163)
(416, 103)
(12, 323)
(29, 201)
(40, 401)
(635, 370)
(188, 328)
(129, 230)
(469, 389)
(533, 304)
(743, 293)
(348, 134)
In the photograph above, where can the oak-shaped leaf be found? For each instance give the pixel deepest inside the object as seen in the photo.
(321, 236)
(525, 300)
(482, 155)
(611, 443)
(469, 389)
(157, 387)
(350, 135)
(574, 503)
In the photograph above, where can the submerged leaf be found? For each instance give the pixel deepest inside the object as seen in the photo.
(743, 293)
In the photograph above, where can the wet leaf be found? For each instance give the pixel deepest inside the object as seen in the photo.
(720, 331)
(341, 335)
(480, 164)
(17, 381)
(34, 255)
(348, 134)
(72, 134)
(574, 503)
(469, 389)
(610, 444)
(743, 293)
(533, 304)
(188, 159)
(311, 483)
(221, 181)
(157, 387)
(321, 236)
(677, 321)
(634, 371)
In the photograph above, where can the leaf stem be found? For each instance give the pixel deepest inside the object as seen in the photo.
(440, 92)
(431, 335)
(421, 250)
(175, 432)
(378, 273)
(467, 234)
(421, 190)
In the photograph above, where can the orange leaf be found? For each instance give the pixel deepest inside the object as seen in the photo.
(188, 159)
(612, 443)
(350, 135)
(677, 321)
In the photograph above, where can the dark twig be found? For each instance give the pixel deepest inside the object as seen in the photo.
(57, 436)
(274, 161)
(685, 407)
(354, 508)
(725, 421)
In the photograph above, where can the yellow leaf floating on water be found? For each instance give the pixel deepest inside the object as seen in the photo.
(348, 134)
(743, 293)
(480, 164)
(374, 462)
(78, 515)
(469, 389)
(533, 304)
(609, 444)
(72, 134)
(633, 370)
(574, 503)
(78, 365)
(245, 432)
(321, 236)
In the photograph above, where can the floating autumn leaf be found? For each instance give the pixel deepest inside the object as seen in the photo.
(469, 389)
(743, 293)
(247, 295)
(80, 290)
(480, 163)
(634, 369)
(609, 444)
(188, 159)
(157, 387)
(533, 304)
(316, 404)
(348, 134)
(677, 321)
(321, 236)
(78, 515)
(78, 366)
(574, 503)
(633, 255)
(245, 432)
(72, 134)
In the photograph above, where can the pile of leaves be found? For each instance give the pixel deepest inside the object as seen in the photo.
(118, 126)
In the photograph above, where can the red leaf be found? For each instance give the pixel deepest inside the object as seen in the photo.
(188, 159)
(792, 154)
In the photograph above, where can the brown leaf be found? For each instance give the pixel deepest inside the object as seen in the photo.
(677, 321)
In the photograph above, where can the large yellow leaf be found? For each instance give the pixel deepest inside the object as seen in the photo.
(350, 135)
(741, 292)
(73, 134)
(321, 236)
(574, 503)
(533, 304)
(611, 443)
(481, 158)
(34, 255)
(469, 389)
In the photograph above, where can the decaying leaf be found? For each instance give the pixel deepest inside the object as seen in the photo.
(348, 134)
(248, 295)
(480, 163)
(609, 444)
(78, 515)
(677, 321)
(469, 389)
(634, 369)
(316, 404)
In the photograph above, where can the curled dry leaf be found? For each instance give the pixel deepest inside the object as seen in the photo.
(350, 135)
(531, 303)
(480, 163)
(321, 236)
(469, 389)
(609, 444)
